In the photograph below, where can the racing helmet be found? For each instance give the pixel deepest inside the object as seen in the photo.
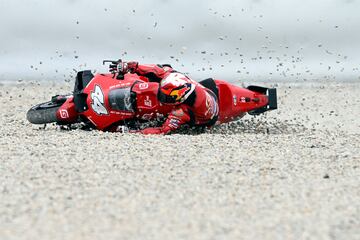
(175, 89)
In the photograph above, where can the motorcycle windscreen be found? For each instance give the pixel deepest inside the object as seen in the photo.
(122, 99)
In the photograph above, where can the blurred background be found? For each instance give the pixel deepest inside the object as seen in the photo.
(248, 40)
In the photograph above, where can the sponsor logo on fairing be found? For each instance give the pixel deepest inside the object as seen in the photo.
(97, 103)
(147, 102)
(64, 113)
(147, 116)
(143, 86)
(120, 85)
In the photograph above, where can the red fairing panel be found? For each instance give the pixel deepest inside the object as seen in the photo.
(67, 113)
(235, 101)
(99, 112)
(148, 106)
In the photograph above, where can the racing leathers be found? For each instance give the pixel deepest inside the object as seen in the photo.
(199, 109)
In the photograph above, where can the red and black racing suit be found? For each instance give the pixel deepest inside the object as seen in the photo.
(199, 109)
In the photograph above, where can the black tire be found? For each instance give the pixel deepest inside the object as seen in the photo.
(43, 113)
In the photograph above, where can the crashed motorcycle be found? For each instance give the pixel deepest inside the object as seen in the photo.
(115, 101)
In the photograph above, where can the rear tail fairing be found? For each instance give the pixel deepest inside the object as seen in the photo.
(271, 95)
(235, 102)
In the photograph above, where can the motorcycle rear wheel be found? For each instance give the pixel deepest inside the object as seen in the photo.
(43, 113)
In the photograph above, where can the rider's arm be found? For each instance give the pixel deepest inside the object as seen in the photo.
(154, 72)
(175, 119)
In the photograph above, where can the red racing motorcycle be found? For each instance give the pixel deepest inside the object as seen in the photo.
(110, 102)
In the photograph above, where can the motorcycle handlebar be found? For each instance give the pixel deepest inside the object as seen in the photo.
(113, 66)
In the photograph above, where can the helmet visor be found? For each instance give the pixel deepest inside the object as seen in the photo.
(164, 98)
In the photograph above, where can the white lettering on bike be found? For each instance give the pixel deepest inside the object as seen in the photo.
(147, 102)
(97, 103)
(64, 113)
(143, 86)
(147, 116)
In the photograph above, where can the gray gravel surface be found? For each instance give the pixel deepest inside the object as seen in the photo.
(293, 173)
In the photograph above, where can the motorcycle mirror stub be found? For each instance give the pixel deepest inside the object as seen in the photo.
(112, 61)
